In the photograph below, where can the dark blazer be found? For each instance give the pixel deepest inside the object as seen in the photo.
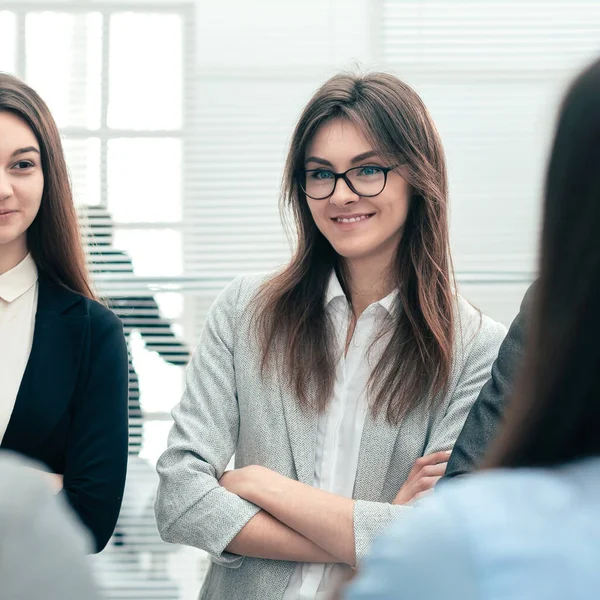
(71, 409)
(485, 417)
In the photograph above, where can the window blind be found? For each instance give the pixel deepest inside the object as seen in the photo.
(176, 144)
(492, 75)
(123, 112)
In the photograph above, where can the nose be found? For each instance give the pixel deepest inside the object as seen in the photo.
(343, 195)
(6, 189)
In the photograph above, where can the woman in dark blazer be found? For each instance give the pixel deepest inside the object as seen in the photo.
(64, 399)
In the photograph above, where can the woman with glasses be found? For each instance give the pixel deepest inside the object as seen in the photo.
(341, 382)
(528, 527)
(63, 359)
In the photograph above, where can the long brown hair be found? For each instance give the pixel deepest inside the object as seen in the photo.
(53, 238)
(292, 321)
(554, 413)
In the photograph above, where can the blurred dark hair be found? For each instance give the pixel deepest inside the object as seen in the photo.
(554, 414)
(53, 238)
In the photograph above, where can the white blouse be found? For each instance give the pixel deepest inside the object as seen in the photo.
(339, 430)
(18, 306)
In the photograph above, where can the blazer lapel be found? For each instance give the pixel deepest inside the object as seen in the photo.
(51, 373)
(378, 443)
(302, 431)
(376, 449)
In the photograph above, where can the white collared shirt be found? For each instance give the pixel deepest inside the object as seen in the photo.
(339, 429)
(18, 305)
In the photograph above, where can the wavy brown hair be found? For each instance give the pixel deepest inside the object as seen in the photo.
(294, 329)
(53, 238)
(554, 411)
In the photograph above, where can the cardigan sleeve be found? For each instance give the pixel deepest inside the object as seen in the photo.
(191, 507)
(96, 449)
(372, 518)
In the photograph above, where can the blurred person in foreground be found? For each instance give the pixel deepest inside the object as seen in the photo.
(528, 527)
(42, 544)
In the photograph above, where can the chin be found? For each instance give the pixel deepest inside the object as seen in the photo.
(352, 253)
(5, 240)
(10, 237)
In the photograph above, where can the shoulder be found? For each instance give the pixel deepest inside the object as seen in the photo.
(501, 529)
(55, 297)
(545, 489)
(101, 315)
(107, 344)
(105, 327)
(474, 330)
(500, 511)
(454, 529)
(241, 293)
(483, 493)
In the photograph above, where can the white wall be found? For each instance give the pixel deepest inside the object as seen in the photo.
(491, 74)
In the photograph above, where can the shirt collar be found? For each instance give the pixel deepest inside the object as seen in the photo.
(334, 290)
(18, 280)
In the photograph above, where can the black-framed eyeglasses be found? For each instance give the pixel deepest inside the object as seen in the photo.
(366, 181)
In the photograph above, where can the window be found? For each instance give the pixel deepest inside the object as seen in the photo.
(176, 145)
(492, 74)
(124, 112)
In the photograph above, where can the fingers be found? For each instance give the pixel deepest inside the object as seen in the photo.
(437, 470)
(423, 483)
(56, 481)
(432, 459)
(427, 460)
(425, 473)
(421, 487)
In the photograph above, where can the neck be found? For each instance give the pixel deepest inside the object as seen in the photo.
(368, 282)
(12, 254)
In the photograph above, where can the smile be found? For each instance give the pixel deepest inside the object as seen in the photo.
(352, 219)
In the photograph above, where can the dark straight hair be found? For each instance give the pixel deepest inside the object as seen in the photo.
(53, 238)
(292, 323)
(554, 413)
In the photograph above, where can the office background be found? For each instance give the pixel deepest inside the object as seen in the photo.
(176, 116)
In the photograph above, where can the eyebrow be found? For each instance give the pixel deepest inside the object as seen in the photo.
(355, 160)
(24, 151)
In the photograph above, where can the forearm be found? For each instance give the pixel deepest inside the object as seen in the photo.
(325, 519)
(266, 537)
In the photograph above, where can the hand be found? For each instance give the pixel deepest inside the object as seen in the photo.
(242, 481)
(55, 481)
(233, 481)
(425, 473)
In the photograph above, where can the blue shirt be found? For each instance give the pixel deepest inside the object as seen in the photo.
(520, 534)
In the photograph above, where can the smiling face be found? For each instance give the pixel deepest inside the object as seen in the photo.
(359, 228)
(21, 185)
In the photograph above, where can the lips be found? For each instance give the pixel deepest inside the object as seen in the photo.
(352, 218)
